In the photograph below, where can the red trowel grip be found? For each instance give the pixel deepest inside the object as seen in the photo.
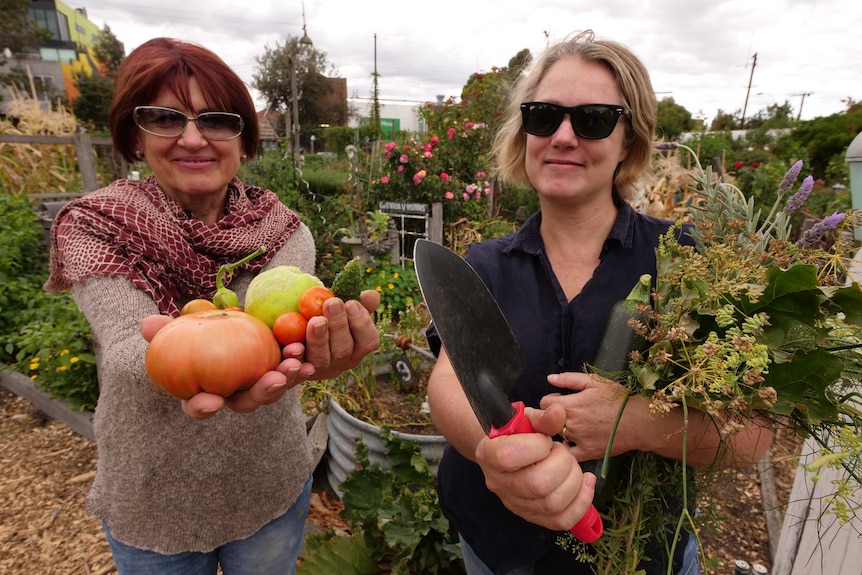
(590, 527)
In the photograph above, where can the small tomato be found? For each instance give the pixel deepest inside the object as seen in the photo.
(217, 351)
(311, 301)
(290, 327)
(197, 305)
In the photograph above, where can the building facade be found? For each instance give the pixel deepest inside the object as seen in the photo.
(51, 71)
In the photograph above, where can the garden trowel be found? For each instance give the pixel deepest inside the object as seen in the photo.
(480, 344)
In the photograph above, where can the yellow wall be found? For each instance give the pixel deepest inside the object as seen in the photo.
(84, 33)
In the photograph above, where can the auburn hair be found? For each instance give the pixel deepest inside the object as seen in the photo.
(170, 63)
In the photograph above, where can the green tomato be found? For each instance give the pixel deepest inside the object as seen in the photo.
(277, 291)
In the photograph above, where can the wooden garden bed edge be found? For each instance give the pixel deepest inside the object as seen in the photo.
(80, 422)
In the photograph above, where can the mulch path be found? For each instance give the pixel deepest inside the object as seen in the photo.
(46, 470)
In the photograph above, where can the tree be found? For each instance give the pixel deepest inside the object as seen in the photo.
(109, 51)
(673, 119)
(272, 80)
(825, 138)
(773, 116)
(724, 121)
(97, 90)
(485, 96)
(852, 105)
(18, 34)
(94, 101)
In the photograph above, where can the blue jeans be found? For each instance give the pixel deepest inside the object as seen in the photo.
(273, 550)
(475, 566)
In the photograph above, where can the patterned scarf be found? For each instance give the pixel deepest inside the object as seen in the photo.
(134, 230)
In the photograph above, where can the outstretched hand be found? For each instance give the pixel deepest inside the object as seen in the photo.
(335, 342)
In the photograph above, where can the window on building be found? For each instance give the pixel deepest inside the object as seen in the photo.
(55, 22)
(44, 88)
(63, 24)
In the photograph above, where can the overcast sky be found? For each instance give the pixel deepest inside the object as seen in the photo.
(699, 52)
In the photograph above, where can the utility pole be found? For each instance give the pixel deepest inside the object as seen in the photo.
(291, 114)
(375, 104)
(804, 95)
(294, 127)
(750, 78)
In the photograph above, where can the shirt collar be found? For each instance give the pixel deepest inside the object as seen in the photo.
(529, 240)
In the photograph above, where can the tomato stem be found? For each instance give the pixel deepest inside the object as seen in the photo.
(226, 270)
(224, 297)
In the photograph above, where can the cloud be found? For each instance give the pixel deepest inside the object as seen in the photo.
(700, 52)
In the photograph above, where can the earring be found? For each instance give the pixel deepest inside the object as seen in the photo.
(244, 157)
(139, 154)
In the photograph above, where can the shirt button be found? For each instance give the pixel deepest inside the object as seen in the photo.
(561, 362)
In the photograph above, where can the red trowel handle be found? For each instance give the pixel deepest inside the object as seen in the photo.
(589, 528)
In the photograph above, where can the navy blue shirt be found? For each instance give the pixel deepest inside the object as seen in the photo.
(556, 335)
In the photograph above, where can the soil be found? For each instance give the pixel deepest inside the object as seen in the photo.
(46, 470)
(404, 410)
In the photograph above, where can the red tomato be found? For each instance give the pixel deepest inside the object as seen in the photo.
(196, 305)
(311, 301)
(290, 327)
(218, 351)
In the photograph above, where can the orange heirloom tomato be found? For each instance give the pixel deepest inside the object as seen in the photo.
(196, 305)
(217, 351)
(290, 327)
(311, 301)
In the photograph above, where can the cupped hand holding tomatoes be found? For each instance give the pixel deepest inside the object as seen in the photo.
(216, 351)
(267, 388)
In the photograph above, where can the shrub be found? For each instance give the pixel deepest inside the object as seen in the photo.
(42, 335)
(394, 516)
(398, 286)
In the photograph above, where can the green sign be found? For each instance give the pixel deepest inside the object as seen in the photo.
(388, 126)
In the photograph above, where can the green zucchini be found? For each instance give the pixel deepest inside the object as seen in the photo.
(618, 341)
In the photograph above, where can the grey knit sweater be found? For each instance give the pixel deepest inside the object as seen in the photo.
(168, 483)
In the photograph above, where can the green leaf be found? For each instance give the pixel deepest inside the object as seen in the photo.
(800, 277)
(364, 492)
(407, 461)
(849, 300)
(793, 290)
(803, 383)
(342, 555)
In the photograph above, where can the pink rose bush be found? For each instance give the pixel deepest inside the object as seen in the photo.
(452, 170)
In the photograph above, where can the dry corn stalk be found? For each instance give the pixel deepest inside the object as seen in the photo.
(37, 168)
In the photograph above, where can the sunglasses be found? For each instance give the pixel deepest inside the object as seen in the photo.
(589, 121)
(170, 123)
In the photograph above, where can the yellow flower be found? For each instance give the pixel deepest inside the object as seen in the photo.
(62, 368)
(73, 360)
(33, 377)
(368, 270)
(34, 366)
(395, 276)
(391, 286)
(64, 352)
(378, 288)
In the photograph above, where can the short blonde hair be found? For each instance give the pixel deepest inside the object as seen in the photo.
(510, 143)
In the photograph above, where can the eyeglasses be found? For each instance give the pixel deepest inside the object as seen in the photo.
(170, 123)
(589, 121)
